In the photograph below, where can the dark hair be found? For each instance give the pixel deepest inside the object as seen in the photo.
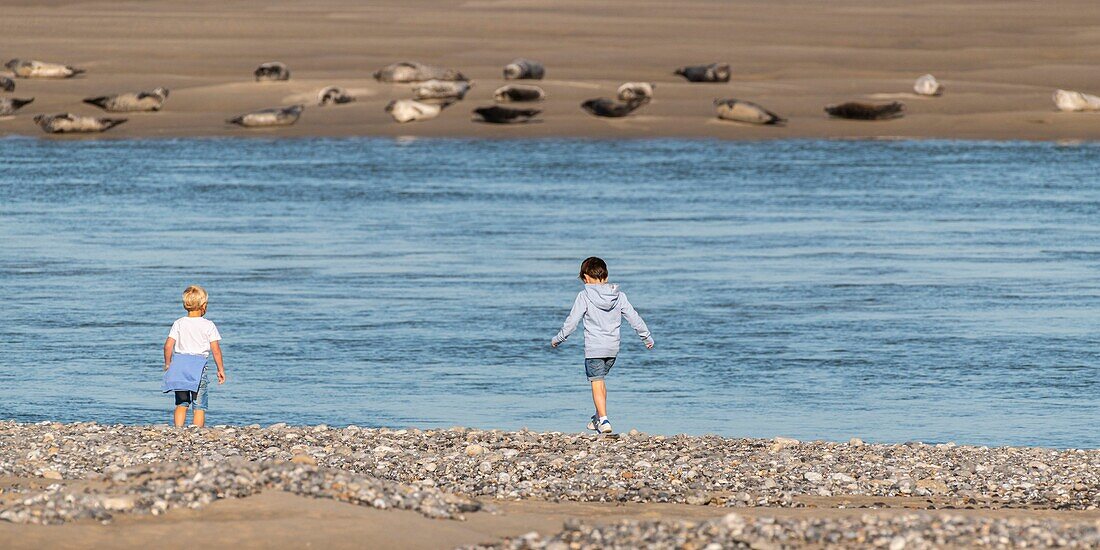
(594, 268)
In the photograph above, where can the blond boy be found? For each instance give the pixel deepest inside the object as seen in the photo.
(194, 335)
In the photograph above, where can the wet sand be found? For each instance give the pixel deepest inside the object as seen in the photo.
(1000, 62)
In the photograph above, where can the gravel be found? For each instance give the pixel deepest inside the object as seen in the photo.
(438, 464)
(157, 488)
(907, 531)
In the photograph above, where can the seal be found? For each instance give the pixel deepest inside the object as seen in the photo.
(7, 84)
(631, 91)
(927, 85)
(29, 68)
(1071, 101)
(411, 110)
(271, 71)
(858, 110)
(441, 90)
(9, 105)
(68, 123)
(715, 72)
(739, 110)
(412, 71)
(518, 93)
(265, 118)
(334, 95)
(520, 69)
(609, 108)
(152, 100)
(505, 115)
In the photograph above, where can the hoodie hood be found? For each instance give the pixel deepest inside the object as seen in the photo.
(603, 296)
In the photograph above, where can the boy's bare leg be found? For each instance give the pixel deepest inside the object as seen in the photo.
(200, 418)
(599, 397)
(179, 416)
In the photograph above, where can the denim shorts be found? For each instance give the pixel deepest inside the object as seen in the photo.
(196, 400)
(597, 369)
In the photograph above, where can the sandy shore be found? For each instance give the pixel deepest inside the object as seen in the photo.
(999, 60)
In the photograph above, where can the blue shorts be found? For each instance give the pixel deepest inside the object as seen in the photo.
(196, 400)
(597, 369)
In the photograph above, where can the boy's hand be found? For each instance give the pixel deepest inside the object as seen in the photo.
(166, 366)
(221, 376)
(649, 345)
(553, 344)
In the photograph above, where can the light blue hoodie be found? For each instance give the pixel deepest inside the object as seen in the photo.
(602, 307)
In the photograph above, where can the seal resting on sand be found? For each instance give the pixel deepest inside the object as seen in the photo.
(131, 102)
(928, 85)
(9, 105)
(1070, 101)
(272, 71)
(412, 71)
(521, 68)
(66, 123)
(334, 95)
(715, 72)
(411, 110)
(505, 115)
(518, 93)
(445, 90)
(858, 110)
(264, 118)
(29, 68)
(609, 108)
(636, 90)
(7, 84)
(739, 110)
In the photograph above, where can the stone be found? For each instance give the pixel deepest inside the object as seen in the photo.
(780, 443)
(474, 450)
(934, 486)
(813, 477)
(304, 459)
(51, 474)
(119, 503)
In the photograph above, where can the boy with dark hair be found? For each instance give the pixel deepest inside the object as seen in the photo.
(602, 307)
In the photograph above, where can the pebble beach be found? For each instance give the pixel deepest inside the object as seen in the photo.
(771, 492)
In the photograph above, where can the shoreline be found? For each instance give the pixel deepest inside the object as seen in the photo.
(999, 65)
(105, 138)
(74, 484)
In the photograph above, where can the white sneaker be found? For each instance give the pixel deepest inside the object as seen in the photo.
(592, 422)
(605, 427)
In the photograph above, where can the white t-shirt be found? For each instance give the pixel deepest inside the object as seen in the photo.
(193, 335)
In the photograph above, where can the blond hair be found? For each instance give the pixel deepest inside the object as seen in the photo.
(194, 298)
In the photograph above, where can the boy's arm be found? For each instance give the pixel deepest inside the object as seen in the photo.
(636, 321)
(571, 321)
(216, 351)
(169, 345)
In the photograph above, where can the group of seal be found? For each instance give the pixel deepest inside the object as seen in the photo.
(147, 101)
(517, 69)
(436, 88)
(59, 123)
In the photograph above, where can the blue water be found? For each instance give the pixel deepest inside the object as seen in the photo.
(934, 291)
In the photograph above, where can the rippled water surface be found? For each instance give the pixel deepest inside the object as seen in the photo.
(894, 291)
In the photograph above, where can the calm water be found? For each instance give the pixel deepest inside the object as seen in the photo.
(894, 291)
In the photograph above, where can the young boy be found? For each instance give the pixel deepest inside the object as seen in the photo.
(602, 307)
(194, 335)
